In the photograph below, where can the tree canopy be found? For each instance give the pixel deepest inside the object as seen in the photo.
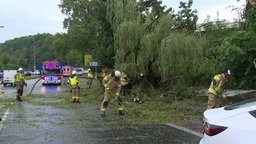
(144, 37)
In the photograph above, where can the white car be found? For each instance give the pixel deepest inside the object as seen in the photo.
(233, 124)
(80, 71)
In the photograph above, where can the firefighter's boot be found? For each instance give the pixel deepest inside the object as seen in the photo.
(103, 112)
(18, 98)
(77, 100)
(74, 99)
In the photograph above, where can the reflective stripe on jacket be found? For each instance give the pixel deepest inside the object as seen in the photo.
(112, 85)
(216, 89)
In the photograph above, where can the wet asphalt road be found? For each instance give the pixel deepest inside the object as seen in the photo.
(49, 119)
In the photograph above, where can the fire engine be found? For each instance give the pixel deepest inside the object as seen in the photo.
(51, 73)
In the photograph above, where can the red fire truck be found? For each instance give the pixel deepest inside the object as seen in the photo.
(51, 73)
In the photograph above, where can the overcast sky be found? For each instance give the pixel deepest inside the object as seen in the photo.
(30, 17)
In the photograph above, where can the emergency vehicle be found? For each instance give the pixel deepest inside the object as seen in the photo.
(66, 71)
(51, 73)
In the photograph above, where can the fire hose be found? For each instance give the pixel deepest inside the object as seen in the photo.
(35, 85)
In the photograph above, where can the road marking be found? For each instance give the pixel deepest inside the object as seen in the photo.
(4, 118)
(186, 130)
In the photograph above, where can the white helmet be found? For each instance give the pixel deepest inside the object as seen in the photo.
(117, 73)
(229, 72)
(20, 69)
(226, 71)
(89, 69)
(74, 72)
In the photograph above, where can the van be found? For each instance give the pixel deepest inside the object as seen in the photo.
(8, 77)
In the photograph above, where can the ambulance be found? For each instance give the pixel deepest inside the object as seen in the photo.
(66, 71)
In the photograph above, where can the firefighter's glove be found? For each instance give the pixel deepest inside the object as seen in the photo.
(106, 87)
(223, 96)
(116, 97)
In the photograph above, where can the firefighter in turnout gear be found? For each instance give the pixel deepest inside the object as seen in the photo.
(74, 83)
(19, 82)
(216, 90)
(125, 82)
(112, 85)
(90, 78)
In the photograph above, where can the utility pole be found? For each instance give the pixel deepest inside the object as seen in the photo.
(34, 59)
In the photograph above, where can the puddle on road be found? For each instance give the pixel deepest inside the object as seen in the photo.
(50, 89)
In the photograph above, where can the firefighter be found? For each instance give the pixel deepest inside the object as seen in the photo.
(112, 85)
(216, 89)
(19, 82)
(125, 82)
(90, 77)
(74, 83)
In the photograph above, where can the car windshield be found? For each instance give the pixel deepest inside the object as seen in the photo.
(51, 71)
(246, 103)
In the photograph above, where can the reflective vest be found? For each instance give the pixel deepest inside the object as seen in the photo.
(124, 80)
(73, 81)
(90, 75)
(18, 78)
(216, 89)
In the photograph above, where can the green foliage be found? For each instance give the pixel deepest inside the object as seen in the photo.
(119, 11)
(127, 39)
(25, 49)
(89, 31)
(182, 55)
(139, 36)
(186, 18)
(233, 47)
(74, 57)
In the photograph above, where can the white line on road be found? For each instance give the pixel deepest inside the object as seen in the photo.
(186, 130)
(3, 119)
